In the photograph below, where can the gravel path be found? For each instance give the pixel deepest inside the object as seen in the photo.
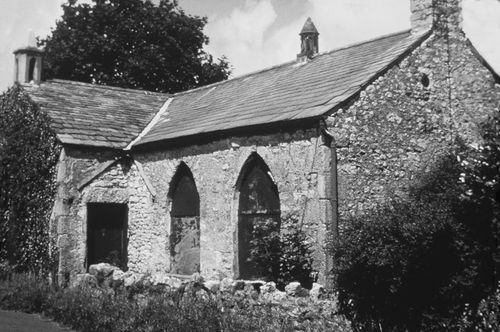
(13, 321)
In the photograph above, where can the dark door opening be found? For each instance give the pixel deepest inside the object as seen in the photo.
(107, 234)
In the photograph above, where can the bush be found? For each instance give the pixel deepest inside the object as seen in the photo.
(24, 292)
(28, 158)
(90, 309)
(413, 264)
(295, 256)
(485, 316)
(284, 255)
(6, 270)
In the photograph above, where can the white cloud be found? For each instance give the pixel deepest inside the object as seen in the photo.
(342, 22)
(241, 34)
(339, 22)
(251, 42)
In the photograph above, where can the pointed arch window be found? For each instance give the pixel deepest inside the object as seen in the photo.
(185, 222)
(258, 209)
(31, 69)
(17, 69)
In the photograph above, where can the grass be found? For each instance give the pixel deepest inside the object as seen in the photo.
(157, 308)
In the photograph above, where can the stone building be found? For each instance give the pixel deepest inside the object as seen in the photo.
(163, 183)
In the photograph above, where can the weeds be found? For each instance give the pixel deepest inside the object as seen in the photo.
(157, 308)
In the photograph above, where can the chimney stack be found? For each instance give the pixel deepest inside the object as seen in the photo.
(444, 15)
(308, 41)
(28, 63)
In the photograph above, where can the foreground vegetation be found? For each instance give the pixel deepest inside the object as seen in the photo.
(28, 156)
(429, 261)
(158, 308)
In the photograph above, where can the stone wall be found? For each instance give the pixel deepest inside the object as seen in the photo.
(119, 183)
(396, 130)
(297, 160)
(404, 122)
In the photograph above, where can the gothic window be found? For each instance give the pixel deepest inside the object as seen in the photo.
(185, 223)
(17, 69)
(31, 70)
(259, 208)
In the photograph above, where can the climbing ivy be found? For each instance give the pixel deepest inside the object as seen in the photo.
(28, 156)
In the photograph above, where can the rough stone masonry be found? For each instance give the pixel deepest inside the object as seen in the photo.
(385, 137)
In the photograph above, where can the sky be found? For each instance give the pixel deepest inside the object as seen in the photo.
(255, 34)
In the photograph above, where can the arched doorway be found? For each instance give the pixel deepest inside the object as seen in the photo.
(185, 222)
(258, 215)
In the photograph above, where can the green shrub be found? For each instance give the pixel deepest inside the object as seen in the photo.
(92, 309)
(156, 308)
(413, 264)
(483, 317)
(284, 254)
(24, 292)
(28, 158)
(265, 248)
(6, 270)
(295, 255)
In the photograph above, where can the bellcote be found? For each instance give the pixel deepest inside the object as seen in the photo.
(308, 40)
(28, 64)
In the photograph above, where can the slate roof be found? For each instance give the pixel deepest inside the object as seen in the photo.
(96, 115)
(287, 92)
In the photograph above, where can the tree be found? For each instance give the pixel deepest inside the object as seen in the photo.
(419, 263)
(28, 156)
(131, 44)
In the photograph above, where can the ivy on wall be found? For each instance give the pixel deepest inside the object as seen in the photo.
(28, 156)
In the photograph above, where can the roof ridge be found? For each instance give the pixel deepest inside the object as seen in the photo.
(180, 93)
(292, 62)
(106, 87)
(392, 34)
